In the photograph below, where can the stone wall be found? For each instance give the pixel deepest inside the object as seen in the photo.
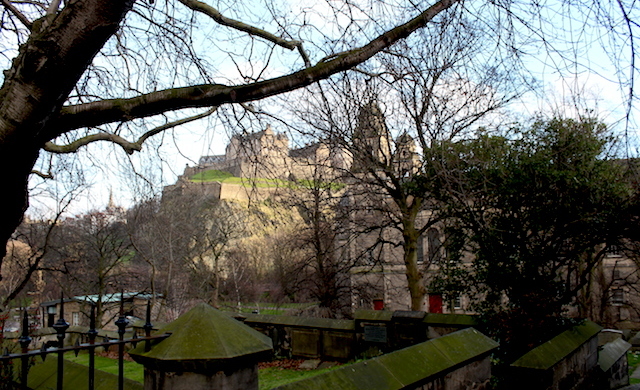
(371, 332)
(613, 363)
(568, 361)
(457, 361)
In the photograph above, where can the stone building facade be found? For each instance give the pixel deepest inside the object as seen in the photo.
(378, 277)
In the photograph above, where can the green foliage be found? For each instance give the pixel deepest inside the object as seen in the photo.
(633, 359)
(535, 209)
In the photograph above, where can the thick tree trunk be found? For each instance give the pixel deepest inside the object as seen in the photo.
(48, 66)
(414, 276)
(59, 50)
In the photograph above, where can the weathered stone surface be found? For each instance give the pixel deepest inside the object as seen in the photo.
(568, 361)
(300, 322)
(612, 352)
(207, 350)
(451, 320)
(311, 364)
(373, 315)
(415, 367)
(612, 359)
(205, 333)
(608, 335)
(245, 378)
(550, 353)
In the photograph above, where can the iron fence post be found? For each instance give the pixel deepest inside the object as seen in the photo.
(61, 327)
(24, 340)
(93, 333)
(121, 323)
(148, 327)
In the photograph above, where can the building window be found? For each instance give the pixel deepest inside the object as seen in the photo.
(434, 245)
(128, 306)
(51, 315)
(75, 318)
(614, 251)
(617, 297)
(457, 303)
(420, 250)
(617, 275)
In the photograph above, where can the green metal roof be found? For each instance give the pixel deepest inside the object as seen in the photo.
(106, 298)
(207, 334)
(548, 354)
(403, 368)
(113, 298)
(611, 353)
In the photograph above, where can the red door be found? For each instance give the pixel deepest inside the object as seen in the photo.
(435, 303)
(378, 304)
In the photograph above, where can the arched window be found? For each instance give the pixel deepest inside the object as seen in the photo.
(434, 245)
(420, 249)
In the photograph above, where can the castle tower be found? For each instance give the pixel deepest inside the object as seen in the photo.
(370, 139)
(405, 157)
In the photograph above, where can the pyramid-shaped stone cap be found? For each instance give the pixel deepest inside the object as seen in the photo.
(204, 335)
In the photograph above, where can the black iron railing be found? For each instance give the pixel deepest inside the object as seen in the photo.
(61, 327)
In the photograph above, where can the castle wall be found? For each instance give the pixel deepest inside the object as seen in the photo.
(241, 192)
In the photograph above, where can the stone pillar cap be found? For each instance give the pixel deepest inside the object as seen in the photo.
(204, 335)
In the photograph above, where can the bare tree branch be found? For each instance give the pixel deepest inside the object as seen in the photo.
(206, 95)
(23, 19)
(42, 174)
(129, 147)
(214, 14)
(53, 7)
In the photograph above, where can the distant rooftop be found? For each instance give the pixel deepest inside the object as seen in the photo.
(106, 298)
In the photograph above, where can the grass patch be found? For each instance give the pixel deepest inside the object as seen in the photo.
(226, 177)
(212, 175)
(132, 370)
(633, 358)
(269, 377)
(274, 377)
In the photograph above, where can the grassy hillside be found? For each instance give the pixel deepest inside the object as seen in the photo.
(225, 177)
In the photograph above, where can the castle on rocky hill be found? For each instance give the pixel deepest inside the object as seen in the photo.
(266, 154)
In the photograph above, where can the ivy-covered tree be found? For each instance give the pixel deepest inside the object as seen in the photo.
(529, 216)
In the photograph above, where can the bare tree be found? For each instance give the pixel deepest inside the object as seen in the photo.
(220, 227)
(389, 116)
(92, 254)
(81, 72)
(162, 232)
(29, 253)
(316, 270)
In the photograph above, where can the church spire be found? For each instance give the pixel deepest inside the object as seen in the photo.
(111, 204)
